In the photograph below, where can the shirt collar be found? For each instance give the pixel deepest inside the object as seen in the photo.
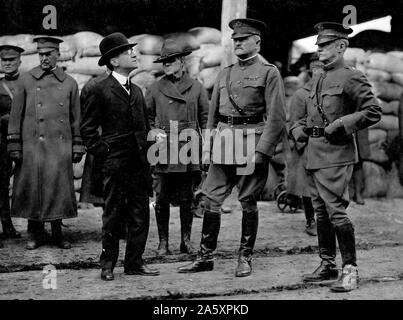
(248, 61)
(121, 78)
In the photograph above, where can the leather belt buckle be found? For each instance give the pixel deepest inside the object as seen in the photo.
(315, 132)
(230, 120)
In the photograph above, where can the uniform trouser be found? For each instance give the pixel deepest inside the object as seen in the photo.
(330, 200)
(217, 187)
(179, 186)
(5, 173)
(124, 191)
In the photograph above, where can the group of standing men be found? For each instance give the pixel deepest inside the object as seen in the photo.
(118, 125)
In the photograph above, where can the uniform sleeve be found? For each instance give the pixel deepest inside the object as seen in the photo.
(367, 110)
(214, 104)
(275, 111)
(203, 108)
(75, 118)
(17, 114)
(91, 120)
(298, 114)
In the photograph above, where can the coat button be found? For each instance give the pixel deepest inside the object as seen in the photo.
(59, 87)
(61, 120)
(41, 137)
(239, 82)
(39, 105)
(38, 88)
(170, 101)
(61, 137)
(61, 104)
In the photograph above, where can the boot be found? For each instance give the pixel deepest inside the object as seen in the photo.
(36, 235)
(9, 230)
(250, 221)
(186, 217)
(348, 280)
(57, 235)
(326, 240)
(324, 272)
(244, 267)
(162, 218)
(208, 243)
(310, 228)
(346, 239)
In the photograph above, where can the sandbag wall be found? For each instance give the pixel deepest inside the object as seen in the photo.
(385, 74)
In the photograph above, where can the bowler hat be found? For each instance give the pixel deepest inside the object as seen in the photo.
(47, 43)
(330, 31)
(173, 48)
(10, 51)
(246, 27)
(111, 45)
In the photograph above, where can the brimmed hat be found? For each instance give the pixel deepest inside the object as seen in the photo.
(47, 43)
(330, 31)
(173, 48)
(111, 45)
(9, 51)
(246, 27)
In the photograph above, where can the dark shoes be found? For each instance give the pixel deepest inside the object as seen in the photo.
(244, 267)
(107, 275)
(9, 230)
(199, 265)
(348, 280)
(142, 270)
(324, 272)
(310, 228)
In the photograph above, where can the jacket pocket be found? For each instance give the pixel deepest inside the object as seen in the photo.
(333, 100)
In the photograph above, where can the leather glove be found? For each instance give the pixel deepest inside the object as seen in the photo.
(335, 132)
(77, 157)
(16, 156)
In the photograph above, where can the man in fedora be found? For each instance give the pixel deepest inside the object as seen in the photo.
(117, 107)
(248, 97)
(10, 60)
(176, 98)
(43, 141)
(340, 102)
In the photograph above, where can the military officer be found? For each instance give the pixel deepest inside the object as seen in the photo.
(43, 141)
(248, 98)
(340, 103)
(10, 59)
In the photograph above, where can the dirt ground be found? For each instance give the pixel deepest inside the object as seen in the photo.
(283, 253)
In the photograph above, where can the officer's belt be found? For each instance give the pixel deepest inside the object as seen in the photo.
(315, 131)
(235, 120)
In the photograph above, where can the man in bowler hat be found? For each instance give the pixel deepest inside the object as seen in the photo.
(117, 107)
(248, 97)
(340, 102)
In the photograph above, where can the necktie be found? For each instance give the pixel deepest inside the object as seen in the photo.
(127, 85)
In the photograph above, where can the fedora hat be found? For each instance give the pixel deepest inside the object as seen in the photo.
(111, 45)
(173, 48)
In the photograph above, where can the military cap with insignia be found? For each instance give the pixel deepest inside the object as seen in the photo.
(246, 27)
(9, 51)
(330, 31)
(47, 43)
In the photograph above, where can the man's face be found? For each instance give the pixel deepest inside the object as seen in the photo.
(328, 52)
(48, 59)
(172, 66)
(10, 65)
(245, 47)
(127, 60)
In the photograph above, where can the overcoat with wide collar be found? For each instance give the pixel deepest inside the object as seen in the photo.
(184, 103)
(123, 120)
(44, 125)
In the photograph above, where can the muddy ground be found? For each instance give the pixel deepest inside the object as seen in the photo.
(283, 253)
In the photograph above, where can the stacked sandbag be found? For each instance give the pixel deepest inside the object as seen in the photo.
(24, 41)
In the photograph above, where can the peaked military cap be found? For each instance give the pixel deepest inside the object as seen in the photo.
(330, 31)
(47, 43)
(9, 51)
(246, 27)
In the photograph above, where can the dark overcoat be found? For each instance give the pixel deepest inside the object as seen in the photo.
(44, 125)
(184, 102)
(122, 145)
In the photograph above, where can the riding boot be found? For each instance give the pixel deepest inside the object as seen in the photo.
(250, 221)
(162, 218)
(36, 235)
(8, 229)
(326, 241)
(310, 226)
(186, 218)
(57, 235)
(346, 239)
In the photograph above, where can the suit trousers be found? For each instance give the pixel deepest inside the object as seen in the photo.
(124, 191)
(330, 200)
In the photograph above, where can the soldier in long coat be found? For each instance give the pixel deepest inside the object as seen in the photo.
(44, 141)
(176, 99)
(247, 113)
(10, 58)
(340, 103)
